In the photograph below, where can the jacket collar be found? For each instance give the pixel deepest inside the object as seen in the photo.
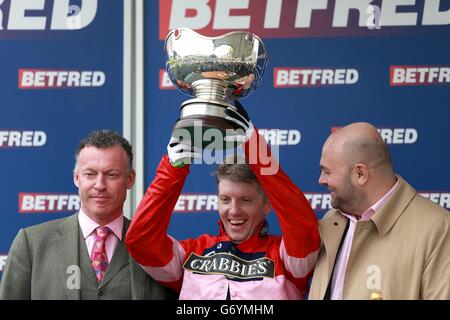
(387, 216)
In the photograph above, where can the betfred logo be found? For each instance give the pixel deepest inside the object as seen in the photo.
(48, 203)
(164, 80)
(419, 75)
(322, 201)
(46, 14)
(194, 202)
(319, 201)
(313, 77)
(281, 137)
(441, 198)
(3, 258)
(301, 18)
(395, 135)
(52, 79)
(22, 138)
(398, 135)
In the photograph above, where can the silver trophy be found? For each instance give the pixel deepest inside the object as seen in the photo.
(215, 71)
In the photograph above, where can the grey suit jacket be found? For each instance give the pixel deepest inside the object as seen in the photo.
(44, 263)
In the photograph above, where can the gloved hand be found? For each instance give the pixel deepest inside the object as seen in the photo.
(239, 116)
(181, 152)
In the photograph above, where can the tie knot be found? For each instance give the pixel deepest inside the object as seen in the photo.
(103, 231)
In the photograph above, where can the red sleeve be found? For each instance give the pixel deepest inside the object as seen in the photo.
(298, 222)
(147, 239)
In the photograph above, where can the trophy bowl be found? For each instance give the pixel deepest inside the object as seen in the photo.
(214, 71)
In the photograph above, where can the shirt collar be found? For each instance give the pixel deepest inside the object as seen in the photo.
(88, 225)
(263, 230)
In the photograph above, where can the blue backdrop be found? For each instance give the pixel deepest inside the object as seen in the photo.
(42, 121)
(37, 177)
(412, 118)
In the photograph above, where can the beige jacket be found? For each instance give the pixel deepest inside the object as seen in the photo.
(402, 252)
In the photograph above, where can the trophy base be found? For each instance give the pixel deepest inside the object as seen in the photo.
(203, 122)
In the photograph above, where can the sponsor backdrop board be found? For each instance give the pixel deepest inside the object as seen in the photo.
(330, 63)
(61, 78)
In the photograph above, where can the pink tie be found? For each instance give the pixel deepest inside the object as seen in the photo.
(99, 258)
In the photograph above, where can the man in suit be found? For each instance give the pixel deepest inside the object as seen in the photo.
(84, 256)
(382, 240)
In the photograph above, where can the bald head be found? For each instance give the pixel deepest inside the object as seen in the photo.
(360, 142)
(356, 167)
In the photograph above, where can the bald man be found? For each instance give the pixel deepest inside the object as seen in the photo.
(381, 240)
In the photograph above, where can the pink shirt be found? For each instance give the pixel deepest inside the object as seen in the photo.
(340, 266)
(88, 227)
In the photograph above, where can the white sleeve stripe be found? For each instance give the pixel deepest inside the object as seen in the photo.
(299, 267)
(173, 270)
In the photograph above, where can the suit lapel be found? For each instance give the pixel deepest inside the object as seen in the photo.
(139, 278)
(85, 261)
(331, 231)
(66, 244)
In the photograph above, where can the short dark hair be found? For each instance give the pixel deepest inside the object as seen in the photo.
(104, 139)
(236, 169)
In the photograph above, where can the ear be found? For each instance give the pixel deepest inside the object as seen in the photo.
(267, 207)
(131, 179)
(362, 173)
(76, 180)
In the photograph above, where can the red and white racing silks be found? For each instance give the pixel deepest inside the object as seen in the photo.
(212, 267)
